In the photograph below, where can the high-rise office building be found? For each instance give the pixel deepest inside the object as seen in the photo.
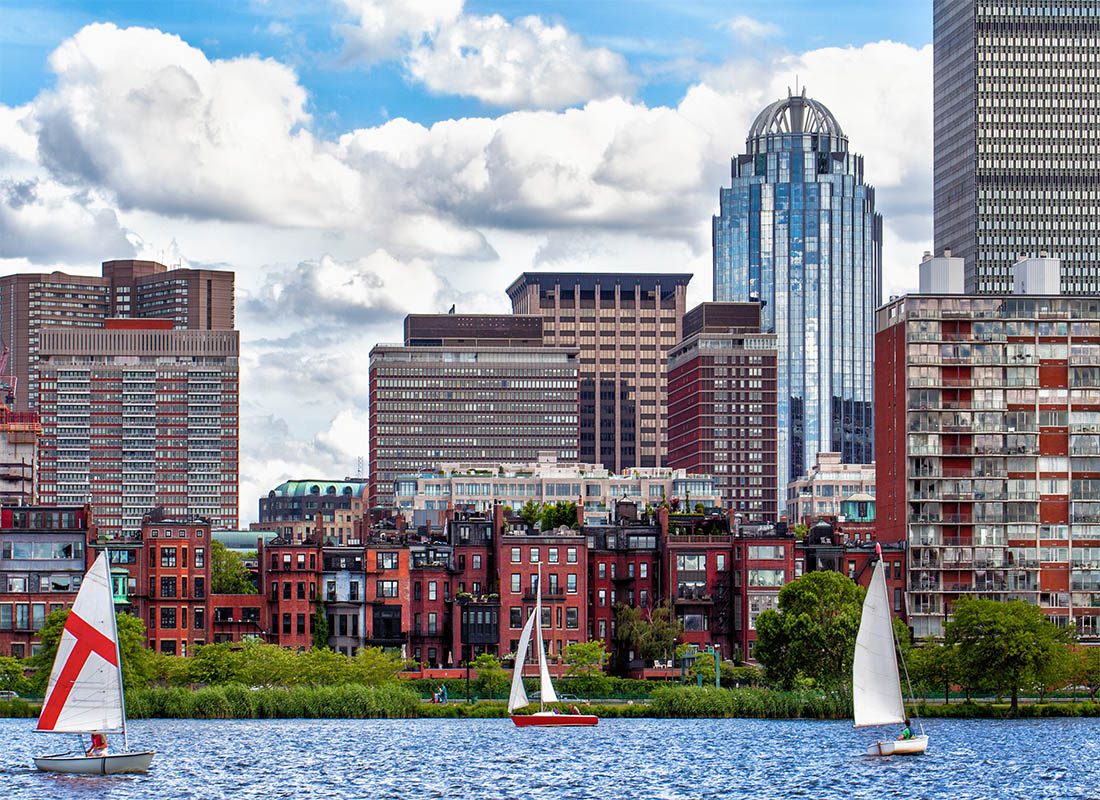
(797, 231)
(721, 406)
(988, 415)
(623, 325)
(468, 387)
(1017, 137)
(192, 298)
(137, 416)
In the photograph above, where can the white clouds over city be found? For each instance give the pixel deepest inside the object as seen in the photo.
(142, 138)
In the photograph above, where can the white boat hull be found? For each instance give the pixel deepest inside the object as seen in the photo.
(110, 764)
(899, 747)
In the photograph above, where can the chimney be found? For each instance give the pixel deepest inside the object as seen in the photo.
(580, 512)
(662, 519)
(941, 274)
(498, 520)
(400, 523)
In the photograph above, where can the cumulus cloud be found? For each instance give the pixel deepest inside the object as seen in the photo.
(147, 116)
(747, 28)
(358, 292)
(525, 63)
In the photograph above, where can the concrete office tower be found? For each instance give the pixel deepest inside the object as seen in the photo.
(138, 415)
(468, 387)
(1017, 157)
(623, 324)
(988, 415)
(722, 410)
(797, 231)
(192, 298)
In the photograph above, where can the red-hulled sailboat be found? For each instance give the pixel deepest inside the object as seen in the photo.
(518, 696)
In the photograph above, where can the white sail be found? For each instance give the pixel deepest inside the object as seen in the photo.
(546, 687)
(518, 697)
(85, 689)
(876, 686)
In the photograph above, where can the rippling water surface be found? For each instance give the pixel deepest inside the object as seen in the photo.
(644, 759)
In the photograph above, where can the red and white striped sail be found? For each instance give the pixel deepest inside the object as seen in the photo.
(85, 691)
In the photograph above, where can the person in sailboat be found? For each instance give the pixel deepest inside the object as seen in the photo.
(906, 732)
(98, 746)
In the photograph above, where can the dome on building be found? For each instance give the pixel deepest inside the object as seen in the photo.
(795, 114)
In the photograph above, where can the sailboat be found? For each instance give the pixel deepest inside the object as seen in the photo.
(876, 684)
(85, 690)
(518, 696)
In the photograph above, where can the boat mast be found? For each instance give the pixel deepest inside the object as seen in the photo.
(538, 632)
(118, 652)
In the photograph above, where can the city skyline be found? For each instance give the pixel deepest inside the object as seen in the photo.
(249, 144)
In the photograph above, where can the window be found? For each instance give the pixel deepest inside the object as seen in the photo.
(432, 620)
(571, 555)
(897, 570)
(643, 598)
(301, 590)
(603, 598)
(765, 577)
(572, 618)
(353, 590)
(534, 555)
(851, 570)
(601, 569)
(6, 619)
(552, 555)
(301, 624)
(183, 557)
(691, 562)
(432, 590)
(477, 561)
(571, 583)
(720, 562)
(286, 624)
(330, 590)
(38, 615)
(286, 590)
(387, 588)
(387, 560)
(200, 557)
(516, 558)
(168, 556)
(515, 617)
(643, 570)
(168, 647)
(766, 552)
(200, 588)
(167, 587)
(200, 619)
(168, 618)
(516, 582)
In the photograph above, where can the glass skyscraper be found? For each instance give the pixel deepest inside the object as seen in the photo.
(798, 231)
(1017, 137)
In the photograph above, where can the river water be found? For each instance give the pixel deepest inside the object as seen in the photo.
(643, 759)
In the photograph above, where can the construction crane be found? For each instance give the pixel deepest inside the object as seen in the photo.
(7, 383)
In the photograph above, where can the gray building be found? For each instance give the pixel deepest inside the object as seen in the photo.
(471, 388)
(797, 231)
(1017, 138)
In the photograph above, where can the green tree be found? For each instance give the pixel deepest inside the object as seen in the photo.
(812, 635)
(12, 677)
(585, 659)
(491, 677)
(555, 515)
(137, 661)
(228, 574)
(1087, 672)
(531, 514)
(1002, 646)
(320, 627)
(932, 666)
(1056, 671)
(373, 666)
(651, 638)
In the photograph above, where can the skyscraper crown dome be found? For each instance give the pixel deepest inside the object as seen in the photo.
(796, 113)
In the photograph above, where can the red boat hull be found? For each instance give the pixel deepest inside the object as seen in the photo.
(554, 720)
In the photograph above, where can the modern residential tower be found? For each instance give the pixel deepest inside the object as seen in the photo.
(1017, 138)
(797, 231)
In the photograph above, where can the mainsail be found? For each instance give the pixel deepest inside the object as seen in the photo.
(876, 685)
(85, 689)
(518, 697)
(546, 687)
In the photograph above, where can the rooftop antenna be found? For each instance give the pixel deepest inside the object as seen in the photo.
(359, 467)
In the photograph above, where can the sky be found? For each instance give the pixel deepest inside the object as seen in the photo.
(354, 161)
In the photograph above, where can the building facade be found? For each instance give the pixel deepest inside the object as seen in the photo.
(830, 489)
(19, 433)
(426, 497)
(722, 406)
(291, 509)
(797, 231)
(138, 415)
(1016, 116)
(174, 586)
(468, 388)
(623, 326)
(197, 299)
(989, 417)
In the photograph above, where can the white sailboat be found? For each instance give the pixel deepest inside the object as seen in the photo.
(518, 696)
(876, 684)
(85, 690)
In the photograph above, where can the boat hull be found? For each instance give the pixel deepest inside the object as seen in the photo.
(899, 747)
(111, 764)
(546, 719)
